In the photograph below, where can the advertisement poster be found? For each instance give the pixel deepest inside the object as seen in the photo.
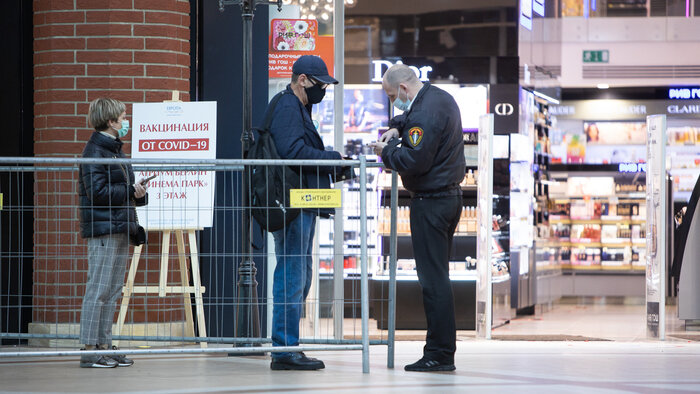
(615, 133)
(575, 148)
(292, 38)
(176, 130)
(365, 108)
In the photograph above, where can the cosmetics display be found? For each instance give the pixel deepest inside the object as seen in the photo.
(597, 233)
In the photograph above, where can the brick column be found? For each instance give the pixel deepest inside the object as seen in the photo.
(131, 50)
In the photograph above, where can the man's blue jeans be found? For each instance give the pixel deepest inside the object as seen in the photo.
(292, 280)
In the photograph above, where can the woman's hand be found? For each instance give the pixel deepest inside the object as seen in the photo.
(140, 189)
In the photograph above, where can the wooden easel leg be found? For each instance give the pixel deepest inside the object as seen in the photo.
(128, 290)
(164, 251)
(185, 282)
(194, 261)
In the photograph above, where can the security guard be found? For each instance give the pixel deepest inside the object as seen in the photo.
(429, 156)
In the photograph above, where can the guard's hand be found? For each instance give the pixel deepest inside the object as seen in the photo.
(389, 134)
(140, 189)
(377, 147)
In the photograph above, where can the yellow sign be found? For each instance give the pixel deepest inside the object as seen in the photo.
(0, 201)
(315, 198)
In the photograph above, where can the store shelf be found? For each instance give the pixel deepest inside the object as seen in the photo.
(631, 196)
(467, 275)
(623, 220)
(468, 235)
(620, 242)
(587, 221)
(348, 246)
(599, 269)
(559, 221)
(586, 244)
(691, 171)
(401, 189)
(550, 267)
(347, 272)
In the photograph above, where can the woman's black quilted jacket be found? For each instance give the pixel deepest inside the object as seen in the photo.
(106, 191)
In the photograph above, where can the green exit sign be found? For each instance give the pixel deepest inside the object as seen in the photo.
(596, 56)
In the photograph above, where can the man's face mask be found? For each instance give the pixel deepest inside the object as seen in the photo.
(401, 104)
(315, 93)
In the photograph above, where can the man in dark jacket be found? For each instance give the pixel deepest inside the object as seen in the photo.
(296, 137)
(108, 194)
(425, 145)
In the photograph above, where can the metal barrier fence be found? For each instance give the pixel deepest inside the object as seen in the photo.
(191, 284)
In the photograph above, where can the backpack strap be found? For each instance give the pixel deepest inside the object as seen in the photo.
(267, 122)
(268, 117)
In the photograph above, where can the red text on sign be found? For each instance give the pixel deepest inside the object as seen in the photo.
(174, 145)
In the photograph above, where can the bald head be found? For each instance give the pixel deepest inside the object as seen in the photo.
(400, 78)
(398, 74)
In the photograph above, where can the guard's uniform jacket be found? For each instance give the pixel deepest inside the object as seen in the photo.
(430, 154)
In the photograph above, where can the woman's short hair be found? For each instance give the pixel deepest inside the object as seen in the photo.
(102, 110)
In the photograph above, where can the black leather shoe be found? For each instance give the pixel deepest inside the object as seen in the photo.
(297, 362)
(427, 365)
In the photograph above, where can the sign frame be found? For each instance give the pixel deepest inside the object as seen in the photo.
(484, 289)
(656, 227)
(176, 130)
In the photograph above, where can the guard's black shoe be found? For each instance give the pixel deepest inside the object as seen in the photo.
(297, 362)
(427, 365)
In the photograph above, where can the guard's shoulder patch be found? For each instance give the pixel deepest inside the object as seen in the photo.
(415, 135)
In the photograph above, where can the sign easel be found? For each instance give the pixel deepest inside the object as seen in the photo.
(163, 289)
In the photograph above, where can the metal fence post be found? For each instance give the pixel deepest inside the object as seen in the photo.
(392, 270)
(364, 288)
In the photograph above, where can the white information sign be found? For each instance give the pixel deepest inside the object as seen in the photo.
(656, 226)
(484, 304)
(176, 130)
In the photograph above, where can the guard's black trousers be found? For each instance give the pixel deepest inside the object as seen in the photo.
(433, 224)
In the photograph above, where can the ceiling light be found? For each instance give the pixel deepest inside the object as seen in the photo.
(603, 86)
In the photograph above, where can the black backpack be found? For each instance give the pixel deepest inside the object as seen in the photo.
(270, 185)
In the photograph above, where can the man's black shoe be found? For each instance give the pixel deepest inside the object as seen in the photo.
(427, 365)
(297, 362)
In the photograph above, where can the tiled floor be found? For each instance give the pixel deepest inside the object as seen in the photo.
(629, 363)
(483, 367)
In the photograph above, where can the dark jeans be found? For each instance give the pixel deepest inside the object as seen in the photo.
(433, 224)
(292, 279)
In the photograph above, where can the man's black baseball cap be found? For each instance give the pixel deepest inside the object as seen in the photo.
(313, 66)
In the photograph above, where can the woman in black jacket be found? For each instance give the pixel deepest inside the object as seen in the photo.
(108, 221)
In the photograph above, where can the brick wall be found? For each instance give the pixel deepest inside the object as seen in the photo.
(131, 50)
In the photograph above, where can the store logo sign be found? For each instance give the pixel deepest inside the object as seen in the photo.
(684, 93)
(380, 66)
(683, 109)
(504, 109)
(562, 110)
(632, 167)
